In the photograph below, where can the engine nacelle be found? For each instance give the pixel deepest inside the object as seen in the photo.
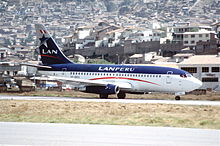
(108, 89)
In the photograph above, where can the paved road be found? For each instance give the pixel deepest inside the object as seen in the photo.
(104, 135)
(181, 102)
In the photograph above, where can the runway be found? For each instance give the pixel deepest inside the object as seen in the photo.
(103, 135)
(181, 102)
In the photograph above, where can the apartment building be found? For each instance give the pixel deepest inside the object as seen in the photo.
(190, 39)
(179, 31)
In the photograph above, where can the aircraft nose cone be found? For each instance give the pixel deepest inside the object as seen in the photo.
(200, 84)
(197, 83)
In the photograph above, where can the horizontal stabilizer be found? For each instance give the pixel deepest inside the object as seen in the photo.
(35, 65)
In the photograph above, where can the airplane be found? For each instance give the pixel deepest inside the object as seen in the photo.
(106, 79)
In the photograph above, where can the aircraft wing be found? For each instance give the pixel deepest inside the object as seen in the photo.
(86, 82)
(35, 65)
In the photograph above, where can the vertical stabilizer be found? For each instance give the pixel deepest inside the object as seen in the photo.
(49, 51)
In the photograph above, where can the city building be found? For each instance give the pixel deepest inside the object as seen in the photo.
(179, 31)
(204, 67)
(190, 39)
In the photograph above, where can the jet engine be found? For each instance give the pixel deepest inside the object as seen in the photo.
(108, 89)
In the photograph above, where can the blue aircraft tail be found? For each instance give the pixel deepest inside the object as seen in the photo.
(49, 51)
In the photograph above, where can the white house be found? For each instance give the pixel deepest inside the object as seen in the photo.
(190, 39)
(84, 32)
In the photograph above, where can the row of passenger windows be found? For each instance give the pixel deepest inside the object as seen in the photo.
(204, 69)
(114, 74)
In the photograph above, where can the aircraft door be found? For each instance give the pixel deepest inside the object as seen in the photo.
(169, 79)
(64, 71)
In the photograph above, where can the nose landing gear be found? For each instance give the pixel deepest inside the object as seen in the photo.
(177, 97)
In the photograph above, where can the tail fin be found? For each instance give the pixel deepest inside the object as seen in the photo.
(49, 51)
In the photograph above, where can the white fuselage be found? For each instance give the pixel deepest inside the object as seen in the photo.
(139, 82)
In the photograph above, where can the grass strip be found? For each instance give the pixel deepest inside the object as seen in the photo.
(110, 113)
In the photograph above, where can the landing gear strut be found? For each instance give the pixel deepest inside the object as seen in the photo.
(121, 95)
(177, 98)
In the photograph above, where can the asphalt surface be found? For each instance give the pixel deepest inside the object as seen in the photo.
(103, 135)
(181, 102)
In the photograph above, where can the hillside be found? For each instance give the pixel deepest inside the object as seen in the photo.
(163, 10)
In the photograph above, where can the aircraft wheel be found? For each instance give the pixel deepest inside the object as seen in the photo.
(103, 96)
(177, 98)
(121, 95)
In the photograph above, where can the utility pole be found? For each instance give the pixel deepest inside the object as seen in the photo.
(118, 57)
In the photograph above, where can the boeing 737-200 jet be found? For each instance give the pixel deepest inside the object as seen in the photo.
(110, 79)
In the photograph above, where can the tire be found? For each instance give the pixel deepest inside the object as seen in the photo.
(103, 96)
(177, 98)
(121, 95)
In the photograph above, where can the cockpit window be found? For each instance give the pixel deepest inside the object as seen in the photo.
(185, 75)
(189, 75)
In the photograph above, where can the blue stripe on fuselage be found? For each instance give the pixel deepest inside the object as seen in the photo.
(115, 68)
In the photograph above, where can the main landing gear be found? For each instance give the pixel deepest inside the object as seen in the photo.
(177, 97)
(120, 95)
